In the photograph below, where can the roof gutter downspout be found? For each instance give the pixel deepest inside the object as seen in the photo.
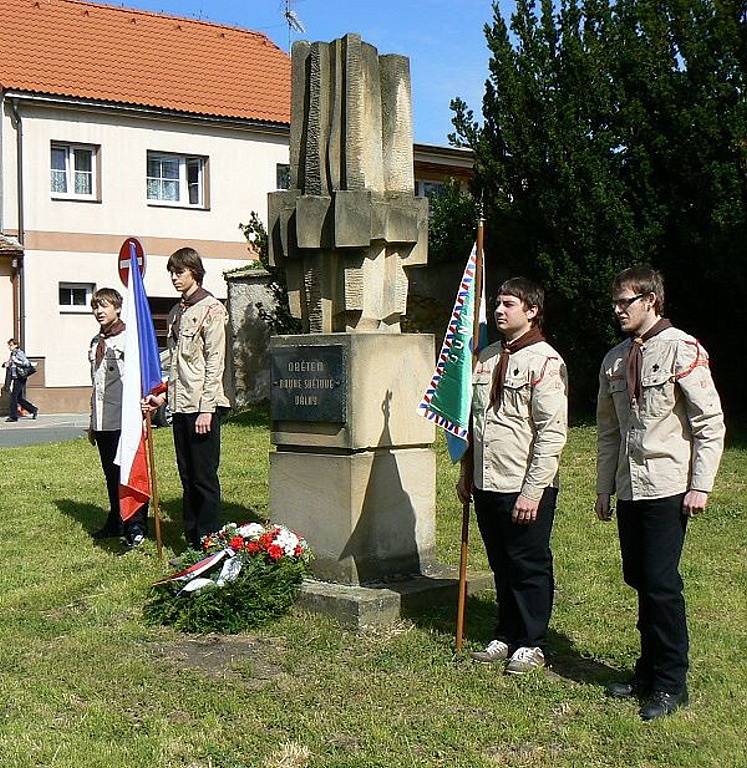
(19, 295)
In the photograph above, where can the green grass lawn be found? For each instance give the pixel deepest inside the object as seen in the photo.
(84, 683)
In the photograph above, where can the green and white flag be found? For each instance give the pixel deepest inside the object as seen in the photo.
(448, 399)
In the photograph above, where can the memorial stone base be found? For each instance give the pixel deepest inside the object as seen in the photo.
(354, 471)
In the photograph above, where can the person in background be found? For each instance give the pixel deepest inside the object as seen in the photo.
(106, 356)
(660, 435)
(19, 369)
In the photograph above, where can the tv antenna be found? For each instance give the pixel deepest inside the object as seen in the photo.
(291, 19)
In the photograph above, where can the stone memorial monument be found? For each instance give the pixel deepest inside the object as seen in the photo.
(353, 468)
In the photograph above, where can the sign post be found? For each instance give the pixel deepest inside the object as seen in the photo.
(123, 258)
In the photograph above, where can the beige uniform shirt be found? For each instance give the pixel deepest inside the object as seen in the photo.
(106, 397)
(671, 441)
(517, 446)
(198, 357)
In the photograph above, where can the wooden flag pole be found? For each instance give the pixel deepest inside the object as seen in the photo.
(464, 548)
(153, 483)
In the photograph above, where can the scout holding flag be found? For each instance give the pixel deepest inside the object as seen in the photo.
(510, 414)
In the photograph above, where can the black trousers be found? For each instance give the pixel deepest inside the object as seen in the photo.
(18, 397)
(198, 457)
(652, 533)
(106, 442)
(521, 561)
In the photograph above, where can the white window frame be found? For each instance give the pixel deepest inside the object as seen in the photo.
(76, 309)
(183, 186)
(70, 148)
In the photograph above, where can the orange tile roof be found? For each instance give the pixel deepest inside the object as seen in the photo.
(94, 51)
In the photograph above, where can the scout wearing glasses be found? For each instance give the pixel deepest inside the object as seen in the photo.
(660, 439)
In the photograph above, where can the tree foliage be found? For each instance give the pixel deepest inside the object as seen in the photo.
(615, 133)
(278, 317)
(451, 224)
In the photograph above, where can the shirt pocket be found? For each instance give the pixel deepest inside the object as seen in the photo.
(112, 364)
(517, 392)
(657, 392)
(481, 385)
(189, 341)
(113, 359)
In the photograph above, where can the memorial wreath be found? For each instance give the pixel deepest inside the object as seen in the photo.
(244, 576)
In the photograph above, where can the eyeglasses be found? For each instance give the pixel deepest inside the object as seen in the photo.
(623, 304)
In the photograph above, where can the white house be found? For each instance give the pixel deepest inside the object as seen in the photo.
(115, 122)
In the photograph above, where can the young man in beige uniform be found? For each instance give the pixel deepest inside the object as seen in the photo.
(196, 339)
(660, 439)
(519, 428)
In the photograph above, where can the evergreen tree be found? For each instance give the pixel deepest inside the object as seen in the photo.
(614, 134)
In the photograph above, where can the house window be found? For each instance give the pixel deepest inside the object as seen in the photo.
(430, 188)
(282, 176)
(176, 180)
(75, 297)
(73, 171)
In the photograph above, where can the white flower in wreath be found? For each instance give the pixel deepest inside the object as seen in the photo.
(228, 530)
(287, 540)
(251, 530)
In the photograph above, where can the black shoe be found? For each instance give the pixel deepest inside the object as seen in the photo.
(660, 704)
(627, 689)
(35, 414)
(134, 534)
(10, 419)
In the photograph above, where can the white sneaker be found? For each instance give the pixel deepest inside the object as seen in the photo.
(525, 660)
(496, 650)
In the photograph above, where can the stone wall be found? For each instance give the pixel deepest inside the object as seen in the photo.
(250, 301)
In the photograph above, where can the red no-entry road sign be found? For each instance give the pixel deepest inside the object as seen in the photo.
(123, 259)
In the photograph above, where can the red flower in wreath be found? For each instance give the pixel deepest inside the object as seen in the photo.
(236, 543)
(275, 552)
(253, 547)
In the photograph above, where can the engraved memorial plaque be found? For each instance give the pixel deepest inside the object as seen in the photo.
(309, 383)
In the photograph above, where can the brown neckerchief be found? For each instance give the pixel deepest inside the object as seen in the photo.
(187, 301)
(634, 358)
(113, 329)
(533, 336)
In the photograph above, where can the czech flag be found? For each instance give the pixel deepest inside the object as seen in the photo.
(142, 376)
(448, 399)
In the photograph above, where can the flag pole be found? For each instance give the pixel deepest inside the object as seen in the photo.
(464, 547)
(153, 483)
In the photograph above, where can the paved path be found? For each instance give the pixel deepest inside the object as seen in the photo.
(46, 428)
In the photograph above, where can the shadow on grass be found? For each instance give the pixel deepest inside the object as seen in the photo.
(564, 659)
(252, 416)
(91, 517)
